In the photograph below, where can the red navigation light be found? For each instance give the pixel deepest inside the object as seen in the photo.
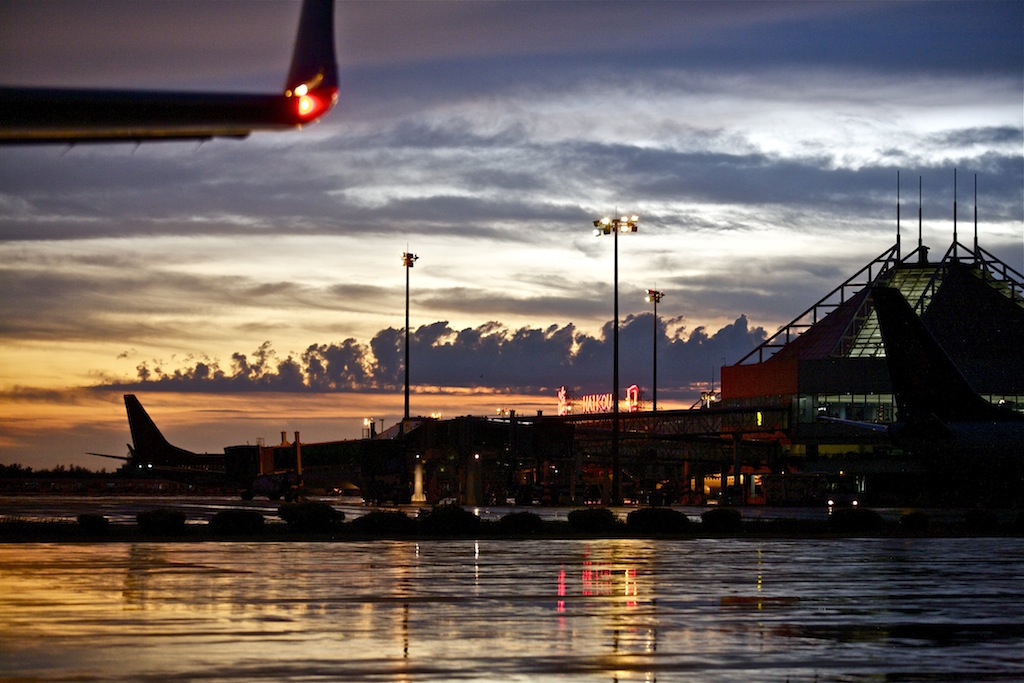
(310, 105)
(307, 106)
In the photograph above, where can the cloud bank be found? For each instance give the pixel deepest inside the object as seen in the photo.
(489, 358)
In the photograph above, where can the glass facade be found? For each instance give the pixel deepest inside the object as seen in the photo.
(858, 407)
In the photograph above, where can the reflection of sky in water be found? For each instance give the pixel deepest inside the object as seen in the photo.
(514, 610)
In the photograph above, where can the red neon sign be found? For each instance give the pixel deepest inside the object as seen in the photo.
(633, 398)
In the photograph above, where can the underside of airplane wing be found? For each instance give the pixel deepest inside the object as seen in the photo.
(41, 116)
(38, 115)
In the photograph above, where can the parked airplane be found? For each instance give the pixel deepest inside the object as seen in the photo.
(936, 405)
(972, 450)
(47, 115)
(238, 468)
(150, 452)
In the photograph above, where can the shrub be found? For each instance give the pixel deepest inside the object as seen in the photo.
(449, 520)
(915, 521)
(520, 524)
(385, 523)
(981, 521)
(237, 522)
(592, 520)
(93, 524)
(310, 515)
(161, 522)
(657, 521)
(855, 520)
(722, 520)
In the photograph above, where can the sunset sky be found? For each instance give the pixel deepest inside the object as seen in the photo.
(242, 288)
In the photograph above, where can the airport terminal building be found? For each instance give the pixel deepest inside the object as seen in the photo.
(831, 361)
(803, 416)
(791, 416)
(828, 367)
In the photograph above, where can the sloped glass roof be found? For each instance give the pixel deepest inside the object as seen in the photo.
(842, 325)
(915, 283)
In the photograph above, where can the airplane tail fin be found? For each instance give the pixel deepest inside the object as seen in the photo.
(148, 444)
(927, 385)
(313, 77)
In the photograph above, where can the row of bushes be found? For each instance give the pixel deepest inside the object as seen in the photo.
(445, 520)
(452, 520)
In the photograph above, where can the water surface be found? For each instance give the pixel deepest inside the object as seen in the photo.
(567, 610)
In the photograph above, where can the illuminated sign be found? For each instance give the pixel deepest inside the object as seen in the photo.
(564, 405)
(633, 398)
(595, 403)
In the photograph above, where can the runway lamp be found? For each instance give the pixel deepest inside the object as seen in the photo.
(613, 226)
(653, 297)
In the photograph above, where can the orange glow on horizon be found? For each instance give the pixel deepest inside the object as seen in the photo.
(52, 427)
(61, 427)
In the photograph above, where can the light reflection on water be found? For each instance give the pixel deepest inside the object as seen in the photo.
(569, 610)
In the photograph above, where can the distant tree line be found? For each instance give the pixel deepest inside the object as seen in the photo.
(17, 471)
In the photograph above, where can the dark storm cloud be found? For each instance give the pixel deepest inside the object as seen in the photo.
(480, 47)
(105, 196)
(810, 183)
(113, 300)
(238, 45)
(489, 357)
(465, 216)
(72, 306)
(992, 135)
(814, 184)
(890, 36)
(454, 133)
(473, 51)
(158, 196)
(475, 303)
(231, 189)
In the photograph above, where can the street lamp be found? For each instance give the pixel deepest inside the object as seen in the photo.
(653, 297)
(408, 260)
(614, 226)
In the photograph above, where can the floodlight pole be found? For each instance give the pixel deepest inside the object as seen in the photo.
(616, 465)
(654, 296)
(408, 260)
(602, 227)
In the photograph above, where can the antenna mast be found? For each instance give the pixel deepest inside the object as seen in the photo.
(955, 240)
(975, 216)
(898, 257)
(920, 239)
